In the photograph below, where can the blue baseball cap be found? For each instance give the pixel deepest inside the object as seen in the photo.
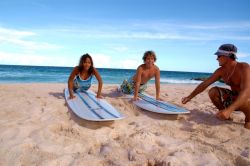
(227, 50)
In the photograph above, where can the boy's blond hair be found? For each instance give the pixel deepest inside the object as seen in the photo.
(149, 53)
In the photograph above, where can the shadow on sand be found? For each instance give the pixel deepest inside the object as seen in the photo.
(113, 94)
(58, 95)
(157, 116)
(87, 123)
(204, 117)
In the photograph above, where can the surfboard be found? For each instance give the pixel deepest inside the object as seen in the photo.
(86, 106)
(149, 103)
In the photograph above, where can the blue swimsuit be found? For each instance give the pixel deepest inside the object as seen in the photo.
(81, 84)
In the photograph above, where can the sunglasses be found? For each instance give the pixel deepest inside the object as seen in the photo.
(219, 56)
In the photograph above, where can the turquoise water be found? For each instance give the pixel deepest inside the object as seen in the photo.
(45, 74)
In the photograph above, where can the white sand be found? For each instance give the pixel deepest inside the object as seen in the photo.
(37, 128)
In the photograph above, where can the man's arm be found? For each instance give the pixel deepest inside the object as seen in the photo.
(137, 82)
(202, 86)
(157, 83)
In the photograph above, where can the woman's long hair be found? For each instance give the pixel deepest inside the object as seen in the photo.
(82, 60)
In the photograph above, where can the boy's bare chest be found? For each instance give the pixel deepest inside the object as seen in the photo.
(148, 74)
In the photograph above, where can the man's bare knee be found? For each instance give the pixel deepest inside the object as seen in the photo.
(245, 108)
(213, 92)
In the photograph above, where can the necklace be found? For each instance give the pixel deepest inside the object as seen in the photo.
(229, 76)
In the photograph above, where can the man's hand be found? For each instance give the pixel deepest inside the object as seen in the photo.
(135, 98)
(184, 100)
(224, 114)
(71, 96)
(99, 97)
(158, 98)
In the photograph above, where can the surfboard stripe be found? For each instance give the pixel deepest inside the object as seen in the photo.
(159, 104)
(99, 116)
(100, 105)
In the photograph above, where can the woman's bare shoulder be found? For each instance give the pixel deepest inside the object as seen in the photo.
(76, 69)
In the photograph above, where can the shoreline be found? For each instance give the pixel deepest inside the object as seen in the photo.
(37, 127)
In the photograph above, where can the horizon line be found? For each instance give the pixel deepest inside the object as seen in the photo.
(103, 68)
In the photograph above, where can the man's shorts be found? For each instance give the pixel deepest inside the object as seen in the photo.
(128, 86)
(227, 96)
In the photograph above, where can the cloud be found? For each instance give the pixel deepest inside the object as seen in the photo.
(101, 60)
(163, 30)
(15, 33)
(112, 37)
(120, 48)
(243, 55)
(24, 39)
(33, 59)
(221, 26)
(106, 61)
(130, 64)
(154, 30)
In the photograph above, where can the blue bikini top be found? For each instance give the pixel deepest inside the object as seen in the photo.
(82, 84)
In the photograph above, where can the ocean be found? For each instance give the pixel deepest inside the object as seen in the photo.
(48, 74)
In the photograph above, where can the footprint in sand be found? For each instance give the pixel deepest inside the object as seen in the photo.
(160, 143)
(132, 123)
(157, 134)
(131, 155)
(105, 149)
(136, 113)
(31, 150)
(29, 102)
(66, 131)
(245, 153)
(42, 110)
(209, 134)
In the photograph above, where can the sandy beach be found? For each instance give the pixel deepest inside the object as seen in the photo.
(37, 128)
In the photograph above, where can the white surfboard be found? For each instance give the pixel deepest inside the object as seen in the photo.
(149, 103)
(87, 106)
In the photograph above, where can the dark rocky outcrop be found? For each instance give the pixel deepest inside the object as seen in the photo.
(204, 78)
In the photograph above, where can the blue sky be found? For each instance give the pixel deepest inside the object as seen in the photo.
(183, 33)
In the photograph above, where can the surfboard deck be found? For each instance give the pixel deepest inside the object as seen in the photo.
(149, 103)
(86, 106)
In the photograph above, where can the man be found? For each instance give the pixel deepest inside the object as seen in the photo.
(237, 76)
(138, 82)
